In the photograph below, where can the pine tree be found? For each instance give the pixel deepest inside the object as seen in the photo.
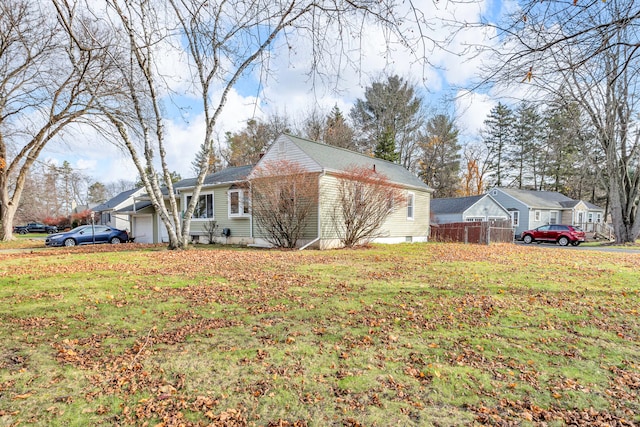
(527, 157)
(338, 132)
(386, 147)
(498, 138)
(439, 165)
(389, 107)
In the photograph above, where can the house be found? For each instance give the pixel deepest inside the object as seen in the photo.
(409, 224)
(530, 209)
(225, 199)
(108, 211)
(466, 209)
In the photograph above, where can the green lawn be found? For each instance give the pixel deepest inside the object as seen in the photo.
(422, 334)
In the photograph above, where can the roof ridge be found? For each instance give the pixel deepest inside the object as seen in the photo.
(335, 147)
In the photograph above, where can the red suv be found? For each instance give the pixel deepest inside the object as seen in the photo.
(555, 233)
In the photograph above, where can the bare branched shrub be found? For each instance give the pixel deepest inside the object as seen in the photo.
(211, 229)
(283, 197)
(366, 198)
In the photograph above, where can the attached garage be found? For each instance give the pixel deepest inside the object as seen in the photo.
(142, 228)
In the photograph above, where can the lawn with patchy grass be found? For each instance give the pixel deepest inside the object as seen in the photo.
(421, 334)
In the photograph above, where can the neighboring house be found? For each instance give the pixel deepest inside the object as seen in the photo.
(466, 209)
(108, 211)
(225, 199)
(530, 209)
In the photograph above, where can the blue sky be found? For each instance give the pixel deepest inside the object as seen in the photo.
(288, 91)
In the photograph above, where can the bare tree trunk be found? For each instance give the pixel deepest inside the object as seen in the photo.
(44, 84)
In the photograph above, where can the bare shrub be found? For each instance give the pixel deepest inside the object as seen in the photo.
(284, 195)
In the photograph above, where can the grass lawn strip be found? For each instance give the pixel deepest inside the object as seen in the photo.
(423, 334)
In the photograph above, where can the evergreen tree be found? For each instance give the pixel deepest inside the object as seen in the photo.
(439, 166)
(386, 147)
(338, 132)
(498, 138)
(213, 163)
(390, 109)
(96, 193)
(527, 157)
(563, 141)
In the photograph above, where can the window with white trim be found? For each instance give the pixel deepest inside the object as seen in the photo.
(553, 217)
(411, 198)
(537, 216)
(515, 218)
(204, 207)
(238, 203)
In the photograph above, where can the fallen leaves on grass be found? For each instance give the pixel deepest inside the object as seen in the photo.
(374, 330)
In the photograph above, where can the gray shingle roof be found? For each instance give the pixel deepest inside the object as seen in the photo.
(538, 199)
(115, 201)
(334, 158)
(545, 199)
(227, 175)
(453, 205)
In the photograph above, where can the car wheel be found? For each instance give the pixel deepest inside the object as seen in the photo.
(576, 243)
(115, 240)
(69, 242)
(527, 239)
(563, 241)
(23, 232)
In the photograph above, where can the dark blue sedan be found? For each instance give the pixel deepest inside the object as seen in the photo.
(87, 235)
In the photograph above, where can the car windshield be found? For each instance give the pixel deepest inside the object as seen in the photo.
(78, 229)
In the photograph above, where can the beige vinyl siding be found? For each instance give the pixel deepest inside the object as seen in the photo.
(240, 227)
(328, 204)
(284, 149)
(397, 225)
(310, 231)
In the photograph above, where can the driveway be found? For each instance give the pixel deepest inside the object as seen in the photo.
(613, 249)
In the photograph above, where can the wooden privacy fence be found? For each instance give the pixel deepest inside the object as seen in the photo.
(482, 232)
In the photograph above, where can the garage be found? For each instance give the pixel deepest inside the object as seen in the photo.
(142, 229)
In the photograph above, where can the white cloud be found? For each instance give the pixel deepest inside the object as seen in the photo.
(472, 109)
(289, 90)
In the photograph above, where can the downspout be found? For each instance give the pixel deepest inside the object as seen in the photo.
(310, 243)
(250, 213)
(317, 239)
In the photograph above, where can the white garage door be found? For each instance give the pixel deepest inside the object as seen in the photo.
(143, 229)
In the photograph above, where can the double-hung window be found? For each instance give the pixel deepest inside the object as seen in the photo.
(204, 207)
(515, 218)
(411, 198)
(238, 203)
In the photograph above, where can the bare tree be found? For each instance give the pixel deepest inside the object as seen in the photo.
(365, 200)
(224, 41)
(283, 197)
(589, 52)
(247, 145)
(474, 176)
(43, 89)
